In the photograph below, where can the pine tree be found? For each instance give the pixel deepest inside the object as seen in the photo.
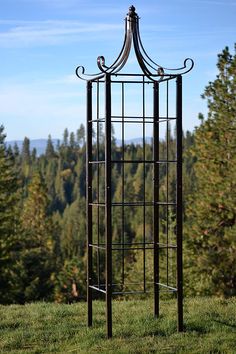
(73, 230)
(26, 150)
(49, 152)
(34, 155)
(26, 166)
(37, 257)
(8, 222)
(16, 150)
(70, 281)
(65, 137)
(80, 135)
(211, 246)
(16, 156)
(72, 140)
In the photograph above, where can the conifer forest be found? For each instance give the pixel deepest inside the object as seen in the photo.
(43, 205)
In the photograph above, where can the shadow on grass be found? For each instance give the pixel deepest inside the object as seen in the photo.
(225, 323)
(194, 327)
(99, 330)
(156, 327)
(13, 325)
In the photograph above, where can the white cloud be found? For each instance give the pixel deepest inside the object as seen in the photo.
(34, 33)
(54, 3)
(20, 33)
(28, 110)
(217, 2)
(41, 100)
(70, 79)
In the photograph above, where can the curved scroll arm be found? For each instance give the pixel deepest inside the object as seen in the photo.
(159, 67)
(149, 67)
(122, 57)
(80, 73)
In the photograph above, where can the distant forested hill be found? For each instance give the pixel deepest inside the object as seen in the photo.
(38, 144)
(41, 144)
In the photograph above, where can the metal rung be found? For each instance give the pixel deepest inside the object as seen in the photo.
(167, 286)
(97, 289)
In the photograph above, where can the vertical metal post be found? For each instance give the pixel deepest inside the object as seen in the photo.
(89, 201)
(108, 235)
(179, 211)
(156, 195)
(123, 182)
(167, 180)
(98, 186)
(144, 190)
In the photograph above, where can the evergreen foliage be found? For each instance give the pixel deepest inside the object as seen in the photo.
(42, 207)
(51, 259)
(50, 153)
(8, 221)
(211, 215)
(36, 257)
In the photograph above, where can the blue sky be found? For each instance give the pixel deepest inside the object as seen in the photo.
(42, 42)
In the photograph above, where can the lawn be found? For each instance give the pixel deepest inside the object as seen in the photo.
(210, 327)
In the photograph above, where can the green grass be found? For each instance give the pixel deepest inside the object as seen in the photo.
(210, 327)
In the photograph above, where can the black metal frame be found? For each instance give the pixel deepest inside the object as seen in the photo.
(101, 161)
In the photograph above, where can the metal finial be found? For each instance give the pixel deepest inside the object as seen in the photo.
(132, 12)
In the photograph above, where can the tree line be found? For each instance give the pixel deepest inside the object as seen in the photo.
(42, 206)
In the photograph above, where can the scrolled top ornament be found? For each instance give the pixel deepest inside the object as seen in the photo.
(149, 67)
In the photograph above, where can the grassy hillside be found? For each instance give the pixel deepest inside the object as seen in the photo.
(44, 328)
